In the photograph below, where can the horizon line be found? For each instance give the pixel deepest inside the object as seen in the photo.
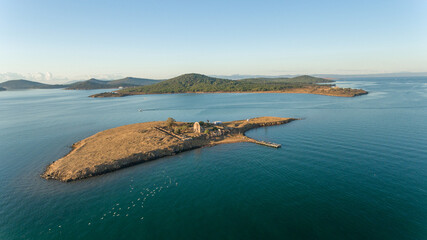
(231, 76)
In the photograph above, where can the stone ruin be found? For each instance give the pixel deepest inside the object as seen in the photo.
(197, 128)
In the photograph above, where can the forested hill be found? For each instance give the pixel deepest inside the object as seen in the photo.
(186, 83)
(82, 85)
(201, 83)
(133, 81)
(100, 84)
(22, 84)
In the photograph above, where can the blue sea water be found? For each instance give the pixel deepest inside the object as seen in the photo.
(353, 168)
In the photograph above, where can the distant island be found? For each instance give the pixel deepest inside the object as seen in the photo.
(22, 84)
(198, 83)
(101, 84)
(128, 145)
(195, 83)
(90, 84)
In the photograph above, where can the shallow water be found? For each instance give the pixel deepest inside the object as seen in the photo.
(353, 168)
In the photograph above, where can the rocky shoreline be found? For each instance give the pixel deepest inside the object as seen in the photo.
(125, 146)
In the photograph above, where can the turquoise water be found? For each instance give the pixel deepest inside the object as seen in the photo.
(353, 168)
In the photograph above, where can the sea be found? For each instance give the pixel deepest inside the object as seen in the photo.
(351, 168)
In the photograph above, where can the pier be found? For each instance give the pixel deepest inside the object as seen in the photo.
(264, 143)
(268, 144)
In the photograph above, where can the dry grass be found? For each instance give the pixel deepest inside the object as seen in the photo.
(128, 145)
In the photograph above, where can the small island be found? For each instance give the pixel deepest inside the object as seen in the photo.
(198, 83)
(129, 145)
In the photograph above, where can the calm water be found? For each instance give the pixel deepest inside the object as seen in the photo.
(354, 168)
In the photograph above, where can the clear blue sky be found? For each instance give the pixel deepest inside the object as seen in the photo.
(77, 39)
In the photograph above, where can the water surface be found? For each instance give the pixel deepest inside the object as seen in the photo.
(353, 168)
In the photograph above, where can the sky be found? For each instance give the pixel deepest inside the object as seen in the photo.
(60, 41)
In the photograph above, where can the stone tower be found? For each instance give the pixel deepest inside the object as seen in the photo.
(197, 128)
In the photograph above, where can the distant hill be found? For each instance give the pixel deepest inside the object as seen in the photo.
(134, 81)
(187, 83)
(194, 82)
(83, 85)
(101, 84)
(334, 76)
(89, 84)
(300, 79)
(25, 84)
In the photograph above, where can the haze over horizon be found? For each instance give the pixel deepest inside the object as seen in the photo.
(51, 41)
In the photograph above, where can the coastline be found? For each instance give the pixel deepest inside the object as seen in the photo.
(128, 145)
(326, 91)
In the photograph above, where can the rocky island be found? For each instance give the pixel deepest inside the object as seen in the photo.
(128, 145)
(198, 83)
